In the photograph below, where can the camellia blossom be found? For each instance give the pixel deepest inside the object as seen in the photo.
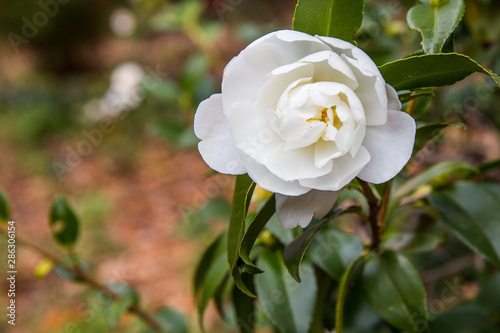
(303, 116)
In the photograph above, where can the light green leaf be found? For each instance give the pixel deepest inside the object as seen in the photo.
(294, 252)
(395, 291)
(171, 320)
(63, 222)
(471, 211)
(331, 18)
(117, 307)
(286, 303)
(440, 174)
(256, 226)
(333, 250)
(435, 23)
(431, 70)
(243, 191)
(4, 209)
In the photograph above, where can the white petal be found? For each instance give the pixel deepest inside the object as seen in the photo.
(390, 147)
(393, 102)
(267, 180)
(299, 210)
(216, 147)
(344, 169)
(244, 74)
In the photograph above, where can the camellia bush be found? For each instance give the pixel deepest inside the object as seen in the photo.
(309, 123)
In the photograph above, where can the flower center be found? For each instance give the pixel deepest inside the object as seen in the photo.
(329, 116)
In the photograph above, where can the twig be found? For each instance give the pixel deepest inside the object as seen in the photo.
(87, 279)
(373, 214)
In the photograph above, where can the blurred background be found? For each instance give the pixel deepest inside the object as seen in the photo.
(97, 99)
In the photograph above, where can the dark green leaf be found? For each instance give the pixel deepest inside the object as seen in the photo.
(331, 18)
(64, 222)
(342, 291)
(463, 319)
(429, 132)
(243, 191)
(413, 230)
(288, 304)
(333, 250)
(431, 70)
(244, 307)
(210, 274)
(436, 23)
(171, 320)
(394, 290)
(294, 252)
(4, 209)
(489, 166)
(471, 211)
(256, 226)
(489, 297)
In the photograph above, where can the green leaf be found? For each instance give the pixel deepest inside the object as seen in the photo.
(431, 70)
(244, 307)
(332, 18)
(274, 226)
(256, 226)
(294, 252)
(63, 222)
(332, 250)
(439, 173)
(429, 132)
(4, 209)
(471, 211)
(210, 274)
(435, 23)
(489, 297)
(464, 319)
(393, 289)
(243, 191)
(171, 320)
(342, 291)
(114, 310)
(413, 230)
(286, 303)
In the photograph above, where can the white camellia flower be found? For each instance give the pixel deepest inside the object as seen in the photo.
(303, 116)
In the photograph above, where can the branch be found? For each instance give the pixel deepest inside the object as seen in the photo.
(373, 214)
(83, 277)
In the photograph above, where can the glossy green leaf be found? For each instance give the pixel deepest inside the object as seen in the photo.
(171, 320)
(287, 304)
(63, 222)
(435, 23)
(331, 18)
(431, 70)
(294, 252)
(333, 250)
(342, 291)
(255, 227)
(413, 230)
(394, 290)
(471, 211)
(210, 274)
(243, 191)
(4, 209)
(244, 307)
(429, 132)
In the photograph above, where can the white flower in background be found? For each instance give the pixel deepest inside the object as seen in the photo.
(123, 22)
(303, 116)
(123, 93)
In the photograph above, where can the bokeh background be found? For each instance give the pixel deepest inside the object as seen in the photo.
(97, 99)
